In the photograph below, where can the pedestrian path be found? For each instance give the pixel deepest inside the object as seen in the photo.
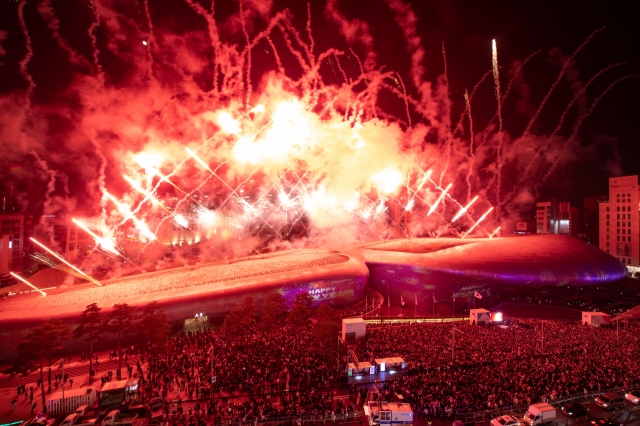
(74, 368)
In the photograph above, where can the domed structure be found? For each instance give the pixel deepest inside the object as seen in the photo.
(448, 266)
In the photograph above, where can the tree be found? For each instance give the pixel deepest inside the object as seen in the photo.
(91, 325)
(301, 310)
(152, 327)
(241, 318)
(120, 321)
(274, 308)
(39, 345)
(326, 329)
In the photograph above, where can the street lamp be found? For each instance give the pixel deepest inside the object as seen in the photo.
(211, 352)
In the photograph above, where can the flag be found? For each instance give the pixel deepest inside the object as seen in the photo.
(478, 295)
(454, 296)
(434, 297)
(388, 301)
(402, 300)
(415, 298)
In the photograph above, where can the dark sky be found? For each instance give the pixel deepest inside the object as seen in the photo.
(466, 28)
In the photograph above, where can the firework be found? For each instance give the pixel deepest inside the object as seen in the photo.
(464, 209)
(106, 244)
(54, 254)
(128, 214)
(434, 206)
(27, 283)
(495, 232)
(483, 217)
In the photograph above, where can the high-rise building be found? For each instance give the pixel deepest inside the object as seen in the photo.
(11, 242)
(553, 217)
(619, 221)
(591, 218)
(575, 221)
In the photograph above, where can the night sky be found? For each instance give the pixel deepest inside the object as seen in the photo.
(608, 137)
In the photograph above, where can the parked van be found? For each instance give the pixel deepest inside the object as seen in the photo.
(82, 410)
(610, 401)
(71, 420)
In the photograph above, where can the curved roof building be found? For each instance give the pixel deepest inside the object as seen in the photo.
(209, 289)
(452, 266)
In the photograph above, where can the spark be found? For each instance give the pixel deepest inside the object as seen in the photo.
(411, 202)
(144, 42)
(495, 232)
(147, 195)
(435, 205)
(464, 209)
(181, 220)
(107, 244)
(228, 123)
(141, 226)
(27, 283)
(483, 217)
(387, 180)
(54, 254)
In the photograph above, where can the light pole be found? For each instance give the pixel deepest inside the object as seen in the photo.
(453, 339)
(211, 352)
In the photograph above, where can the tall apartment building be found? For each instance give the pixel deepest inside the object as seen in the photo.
(620, 222)
(553, 217)
(591, 218)
(11, 242)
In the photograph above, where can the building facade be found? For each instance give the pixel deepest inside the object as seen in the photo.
(591, 218)
(11, 243)
(620, 222)
(553, 217)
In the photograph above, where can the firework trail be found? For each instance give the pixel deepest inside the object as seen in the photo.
(578, 123)
(463, 210)
(150, 43)
(542, 150)
(28, 283)
(496, 81)
(53, 23)
(495, 232)
(95, 54)
(54, 254)
(213, 35)
(483, 217)
(24, 63)
(472, 155)
(558, 79)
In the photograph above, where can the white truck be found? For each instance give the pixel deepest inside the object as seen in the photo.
(115, 418)
(539, 414)
(382, 413)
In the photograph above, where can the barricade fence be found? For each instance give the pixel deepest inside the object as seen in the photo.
(520, 409)
(301, 420)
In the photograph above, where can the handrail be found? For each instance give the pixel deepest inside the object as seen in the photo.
(495, 412)
(299, 419)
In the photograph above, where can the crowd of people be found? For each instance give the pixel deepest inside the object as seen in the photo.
(474, 368)
(279, 369)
